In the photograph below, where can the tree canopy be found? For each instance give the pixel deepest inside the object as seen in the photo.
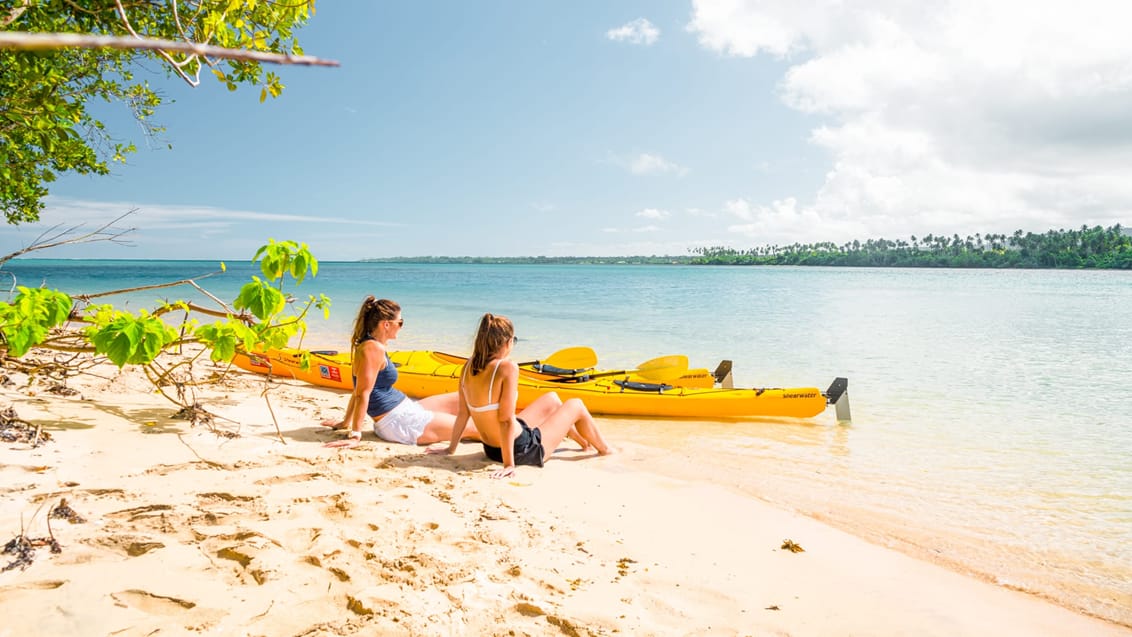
(45, 126)
(1096, 247)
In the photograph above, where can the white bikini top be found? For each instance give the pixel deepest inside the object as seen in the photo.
(490, 406)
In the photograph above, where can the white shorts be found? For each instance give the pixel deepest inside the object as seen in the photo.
(404, 424)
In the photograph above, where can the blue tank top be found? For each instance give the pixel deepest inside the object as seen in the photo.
(383, 398)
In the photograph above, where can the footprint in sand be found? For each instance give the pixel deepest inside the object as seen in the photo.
(151, 603)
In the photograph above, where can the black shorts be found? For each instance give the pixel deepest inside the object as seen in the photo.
(528, 447)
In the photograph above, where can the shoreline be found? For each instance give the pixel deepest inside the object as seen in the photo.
(189, 531)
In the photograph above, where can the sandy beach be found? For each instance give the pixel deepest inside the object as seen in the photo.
(236, 529)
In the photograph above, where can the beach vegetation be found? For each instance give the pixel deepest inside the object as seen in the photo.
(1085, 248)
(263, 316)
(60, 57)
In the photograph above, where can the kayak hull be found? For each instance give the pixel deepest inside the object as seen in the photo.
(426, 373)
(327, 369)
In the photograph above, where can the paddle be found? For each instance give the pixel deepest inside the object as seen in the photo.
(570, 360)
(660, 369)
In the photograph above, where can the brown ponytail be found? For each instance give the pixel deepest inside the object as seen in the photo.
(372, 312)
(492, 336)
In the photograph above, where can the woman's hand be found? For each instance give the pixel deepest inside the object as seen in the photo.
(505, 472)
(353, 439)
(438, 451)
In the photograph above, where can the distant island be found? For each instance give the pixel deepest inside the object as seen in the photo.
(1086, 248)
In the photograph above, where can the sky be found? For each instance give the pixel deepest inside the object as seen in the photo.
(599, 128)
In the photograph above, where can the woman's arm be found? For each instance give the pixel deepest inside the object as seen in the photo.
(462, 415)
(508, 425)
(369, 360)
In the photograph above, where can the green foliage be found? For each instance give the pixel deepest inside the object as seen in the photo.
(27, 321)
(45, 126)
(1095, 247)
(137, 339)
(128, 339)
(259, 298)
(279, 258)
(265, 300)
(225, 337)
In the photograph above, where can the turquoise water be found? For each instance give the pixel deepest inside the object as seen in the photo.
(990, 408)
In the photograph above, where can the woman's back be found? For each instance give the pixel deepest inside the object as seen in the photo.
(483, 395)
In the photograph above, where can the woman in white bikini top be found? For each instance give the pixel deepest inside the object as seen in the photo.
(491, 384)
(507, 437)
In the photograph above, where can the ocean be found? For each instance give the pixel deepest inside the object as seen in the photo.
(990, 433)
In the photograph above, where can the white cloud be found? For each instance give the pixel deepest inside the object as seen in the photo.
(649, 164)
(639, 31)
(174, 216)
(962, 116)
(647, 229)
(699, 212)
(652, 213)
(166, 231)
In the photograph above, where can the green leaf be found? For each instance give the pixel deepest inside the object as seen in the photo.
(28, 320)
(260, 299)
(132, 340)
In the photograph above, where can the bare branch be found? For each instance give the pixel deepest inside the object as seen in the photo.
(25, 41)
(155, 286)
(51, 239)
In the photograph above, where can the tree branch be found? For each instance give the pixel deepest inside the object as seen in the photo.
(24, 41)
(52, 239)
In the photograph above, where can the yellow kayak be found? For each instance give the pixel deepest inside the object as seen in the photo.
(427, 373)
(424, 373)
(327, 368)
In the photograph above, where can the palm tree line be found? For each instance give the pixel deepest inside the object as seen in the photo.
(1096, 247)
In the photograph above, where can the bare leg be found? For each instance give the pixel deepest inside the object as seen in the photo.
(443, 403)
(439, 429)
(572, 414)
(541, 409)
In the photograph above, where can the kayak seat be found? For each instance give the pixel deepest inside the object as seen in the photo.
(543, 368)
(649, 387)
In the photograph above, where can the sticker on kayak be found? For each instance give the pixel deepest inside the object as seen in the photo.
(329, 372)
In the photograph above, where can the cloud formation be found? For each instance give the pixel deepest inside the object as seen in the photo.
(639, 31)
(649, 164)
(962, 117)
(652, 213)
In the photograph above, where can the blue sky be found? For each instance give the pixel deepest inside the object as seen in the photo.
(508, 128)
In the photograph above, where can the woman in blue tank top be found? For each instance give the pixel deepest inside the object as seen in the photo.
(397, 418)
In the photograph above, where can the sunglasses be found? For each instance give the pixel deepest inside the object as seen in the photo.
(400, 322)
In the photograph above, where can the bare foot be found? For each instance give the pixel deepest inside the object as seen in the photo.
(577, 437)
(608, 451)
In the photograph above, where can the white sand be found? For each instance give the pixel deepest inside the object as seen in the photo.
(189, 532)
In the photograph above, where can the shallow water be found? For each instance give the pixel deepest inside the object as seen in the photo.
(990, 427)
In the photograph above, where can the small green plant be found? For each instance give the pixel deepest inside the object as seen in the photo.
(260, 318)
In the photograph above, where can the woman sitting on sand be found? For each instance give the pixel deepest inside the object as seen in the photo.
(397, 418)
(489, 388)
